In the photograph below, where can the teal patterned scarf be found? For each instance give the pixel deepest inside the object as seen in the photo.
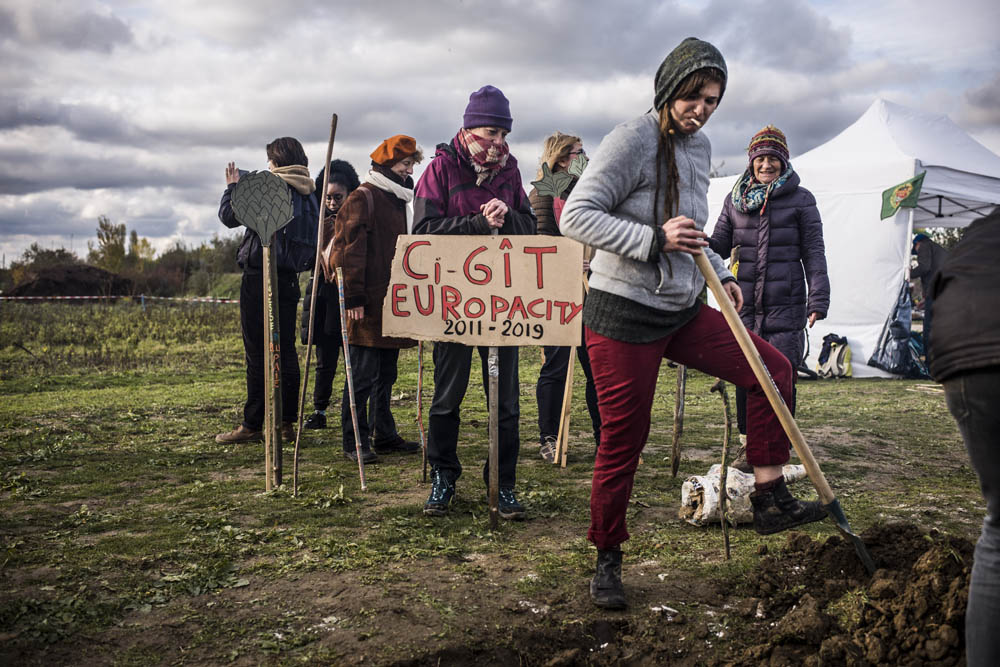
(749, 194)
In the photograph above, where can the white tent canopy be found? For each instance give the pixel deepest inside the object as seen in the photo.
(867, 257)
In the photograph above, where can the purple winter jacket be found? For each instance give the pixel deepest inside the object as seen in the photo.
(774, 250)
(448, 200)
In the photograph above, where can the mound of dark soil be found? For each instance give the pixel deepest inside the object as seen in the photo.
(73, 280)
(817, 605)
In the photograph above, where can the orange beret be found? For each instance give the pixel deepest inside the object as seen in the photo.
(394, 149)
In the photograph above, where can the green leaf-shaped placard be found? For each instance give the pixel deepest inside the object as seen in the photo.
(262, 202)
(577, 166)
(552, 184)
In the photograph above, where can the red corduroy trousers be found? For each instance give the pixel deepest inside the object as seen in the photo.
(625, 375)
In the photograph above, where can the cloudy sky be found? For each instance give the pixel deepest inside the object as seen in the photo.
(131, 109)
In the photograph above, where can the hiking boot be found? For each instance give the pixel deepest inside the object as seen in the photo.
(508, 507)
(288, 431)
(775, 509)
(397, 445)
(239, 434)
(367, 455)
(606, 589)
(442, 491)
(316, 420)
(547, 448)
(740, 462)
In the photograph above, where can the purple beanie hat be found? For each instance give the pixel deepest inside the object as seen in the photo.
(488, 107)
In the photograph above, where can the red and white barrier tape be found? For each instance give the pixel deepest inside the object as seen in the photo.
(138, 297)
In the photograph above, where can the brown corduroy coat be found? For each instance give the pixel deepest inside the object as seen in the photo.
(364, 242)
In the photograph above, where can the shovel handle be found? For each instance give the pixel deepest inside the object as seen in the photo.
(765, 380)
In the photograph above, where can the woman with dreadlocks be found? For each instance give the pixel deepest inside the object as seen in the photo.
(642, 202)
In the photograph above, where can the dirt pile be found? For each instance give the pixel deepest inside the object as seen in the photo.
(816, 605)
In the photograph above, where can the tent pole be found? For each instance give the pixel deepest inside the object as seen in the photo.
(909, 236)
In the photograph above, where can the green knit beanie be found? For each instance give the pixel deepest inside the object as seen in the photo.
(690, 55)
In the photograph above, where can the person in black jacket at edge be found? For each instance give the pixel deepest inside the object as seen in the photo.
(326, 321)
(287, 160)
(965, 357)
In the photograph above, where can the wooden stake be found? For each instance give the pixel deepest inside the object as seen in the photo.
(562, 441)
(493, 370)
(272, 374)
(312, 303)
(675, 457)
(720, 387)
(420, 404)
(350, 379)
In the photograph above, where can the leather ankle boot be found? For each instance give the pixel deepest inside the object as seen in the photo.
(606, 589)
(775, 509)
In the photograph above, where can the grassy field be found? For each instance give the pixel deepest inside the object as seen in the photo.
(130, 537)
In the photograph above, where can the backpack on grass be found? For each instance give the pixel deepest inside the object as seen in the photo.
(835, 358)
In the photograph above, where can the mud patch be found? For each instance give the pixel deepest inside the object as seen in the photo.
(817, 605)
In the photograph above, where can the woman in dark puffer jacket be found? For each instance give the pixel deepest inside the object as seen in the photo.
(775, 225)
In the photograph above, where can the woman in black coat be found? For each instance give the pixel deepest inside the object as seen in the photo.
(774, 225)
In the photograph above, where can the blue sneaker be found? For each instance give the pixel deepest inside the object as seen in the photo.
(442, 491)
(509, 507)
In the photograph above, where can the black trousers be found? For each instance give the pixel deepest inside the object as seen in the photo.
(972, 399)
(254, 346)
(551, 386)
(373, 371)
(452, 365)
(327, 354)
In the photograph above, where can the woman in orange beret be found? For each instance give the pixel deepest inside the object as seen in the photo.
(364, 241)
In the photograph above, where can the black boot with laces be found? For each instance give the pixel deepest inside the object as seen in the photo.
(442, 491)
(775, 509)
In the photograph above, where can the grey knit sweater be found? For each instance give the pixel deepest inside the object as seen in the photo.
(611, 208)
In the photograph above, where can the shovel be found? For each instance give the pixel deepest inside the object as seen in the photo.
(830, 502)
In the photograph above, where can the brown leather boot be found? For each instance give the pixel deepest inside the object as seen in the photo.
(239, 434)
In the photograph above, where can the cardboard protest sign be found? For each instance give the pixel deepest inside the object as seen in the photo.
(486, 290)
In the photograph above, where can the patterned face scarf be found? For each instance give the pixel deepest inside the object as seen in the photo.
(749, 194)
(486, 159)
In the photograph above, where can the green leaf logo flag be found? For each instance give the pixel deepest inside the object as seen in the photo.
(578, 164)
(551, 184)
(262, 202)
(905, 194)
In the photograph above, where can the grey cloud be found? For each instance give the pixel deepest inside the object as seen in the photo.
(786, 34)
(981, 106)
(74, 30)
(85, 121)
(82, 171)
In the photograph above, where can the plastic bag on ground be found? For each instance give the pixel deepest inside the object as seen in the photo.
(700, 495)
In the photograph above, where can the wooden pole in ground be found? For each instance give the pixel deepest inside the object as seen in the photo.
(350, 379)
(675, 456)
(562, 441)
(272, 369)
(493, 370)
(312, 303)
(420, 405)
(720, 387)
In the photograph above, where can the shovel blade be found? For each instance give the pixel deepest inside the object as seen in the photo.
(837, 512)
